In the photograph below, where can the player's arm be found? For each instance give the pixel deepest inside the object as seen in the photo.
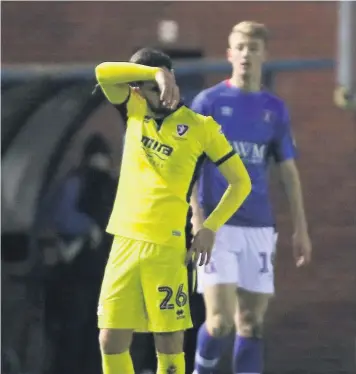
(293, 187)
(221, 153)
(284, 152)
(218, 149)
(114, 78)
(198, 212)
(234, 171)
(200, 104)
(239, 188)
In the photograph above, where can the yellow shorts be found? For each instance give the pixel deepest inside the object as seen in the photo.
(145, 288)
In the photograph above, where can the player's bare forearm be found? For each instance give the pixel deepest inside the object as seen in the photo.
(198, 213)
(292, 185)
(113, 77)
(239, 188)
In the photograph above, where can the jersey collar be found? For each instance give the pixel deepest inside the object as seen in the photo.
(228, 83)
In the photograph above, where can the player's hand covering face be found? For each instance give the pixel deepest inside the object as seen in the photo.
(246, 54)
(163, 95)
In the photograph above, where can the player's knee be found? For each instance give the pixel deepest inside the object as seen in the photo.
(250, 324)
(169, 342)
(114, 341)
(105, 341)
(220, 324)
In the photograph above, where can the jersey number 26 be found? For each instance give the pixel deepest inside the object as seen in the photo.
(180, 299)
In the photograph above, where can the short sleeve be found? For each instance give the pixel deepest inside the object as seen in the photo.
(283, 146)
(200, 104)
(216, 146)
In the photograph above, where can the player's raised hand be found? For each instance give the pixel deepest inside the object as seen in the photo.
(169, 90)
(302, 249)
(202, 246)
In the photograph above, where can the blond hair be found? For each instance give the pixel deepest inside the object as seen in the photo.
(252, 29)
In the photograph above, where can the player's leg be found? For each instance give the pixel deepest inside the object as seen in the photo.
(121, 306)
(256, 286)
(115, 354)
(220, 305)
(170, 353)
(165, 287)
(218, 282)
(248, 347)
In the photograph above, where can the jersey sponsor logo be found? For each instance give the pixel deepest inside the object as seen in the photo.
(182, 129)
(226, 111)
(156, 146)
(251, 153)
(180, 314)
(267, 116)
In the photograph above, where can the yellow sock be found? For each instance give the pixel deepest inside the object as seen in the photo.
(170, 364)
(114, 364)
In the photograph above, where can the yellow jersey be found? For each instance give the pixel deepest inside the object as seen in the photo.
(160, 165)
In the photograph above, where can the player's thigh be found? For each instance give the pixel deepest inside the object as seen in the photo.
(256, 279)
(165, 288)
(256, 260)
(121, 305)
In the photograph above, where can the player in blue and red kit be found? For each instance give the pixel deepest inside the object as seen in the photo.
(238, 282)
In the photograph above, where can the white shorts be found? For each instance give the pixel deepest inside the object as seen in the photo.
(243, 256)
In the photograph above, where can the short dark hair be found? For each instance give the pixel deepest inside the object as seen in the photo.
(152, 57)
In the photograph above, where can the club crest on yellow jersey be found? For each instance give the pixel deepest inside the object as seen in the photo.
(182, 129)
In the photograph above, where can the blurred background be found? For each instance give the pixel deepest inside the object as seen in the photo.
(61, 146)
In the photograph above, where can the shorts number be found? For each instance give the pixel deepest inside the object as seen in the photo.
(265, 264)
(181, 297)
(165, 302)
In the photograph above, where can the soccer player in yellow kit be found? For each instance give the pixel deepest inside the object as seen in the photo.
(145, 286)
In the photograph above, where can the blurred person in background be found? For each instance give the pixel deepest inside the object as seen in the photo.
(145, 286)
(80, 208)
(239, 280)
